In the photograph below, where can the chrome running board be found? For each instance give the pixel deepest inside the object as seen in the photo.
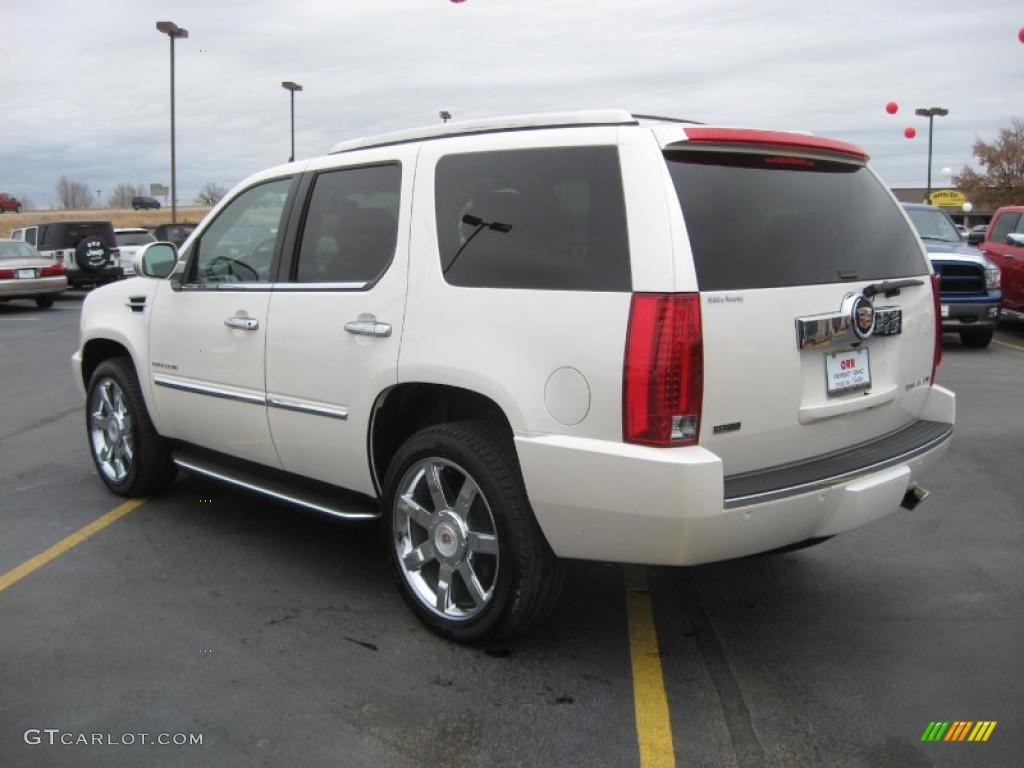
(278, 485)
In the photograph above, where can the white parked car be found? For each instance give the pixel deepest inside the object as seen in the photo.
(582, 335)
(129, 241)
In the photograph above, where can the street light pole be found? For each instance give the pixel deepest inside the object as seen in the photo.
(931, 113)
(293, 87)
(173, 31)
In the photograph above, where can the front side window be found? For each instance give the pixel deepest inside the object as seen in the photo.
(351, 225)
(1004, 225)
(550, 219)
(239, 246)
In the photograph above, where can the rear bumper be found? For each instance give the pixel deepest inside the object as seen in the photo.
(27, 289)
(106, 275)
(970, 314)
(599, 500)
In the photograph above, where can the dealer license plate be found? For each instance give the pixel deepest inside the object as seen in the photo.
(26, 274)
(847, 371)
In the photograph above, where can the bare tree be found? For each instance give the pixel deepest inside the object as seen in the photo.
(73, 195)
(122, 194)
(1002, 180)
(210, 193)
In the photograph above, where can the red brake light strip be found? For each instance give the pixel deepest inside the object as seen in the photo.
(774, 139)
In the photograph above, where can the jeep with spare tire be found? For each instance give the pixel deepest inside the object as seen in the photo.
(588, 335)
(87, 249)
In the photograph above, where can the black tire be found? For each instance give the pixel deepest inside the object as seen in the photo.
(152, 469)
(528, 580)
(18, 209)
(44, 302)
(976, 339)
(91, 255)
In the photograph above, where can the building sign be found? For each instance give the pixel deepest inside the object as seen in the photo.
(948, 197)
(158, 190)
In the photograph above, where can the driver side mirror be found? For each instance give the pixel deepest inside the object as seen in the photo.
(1015, 239)
(975, 238)
(156, 260)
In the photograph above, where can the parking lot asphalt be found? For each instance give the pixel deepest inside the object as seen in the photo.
(280, 638)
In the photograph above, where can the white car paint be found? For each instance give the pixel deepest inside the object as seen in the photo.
(594, 496)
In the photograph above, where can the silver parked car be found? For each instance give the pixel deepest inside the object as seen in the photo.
(24, 274)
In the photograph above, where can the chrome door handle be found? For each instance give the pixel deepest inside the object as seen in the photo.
(242, 323)
(368, 328)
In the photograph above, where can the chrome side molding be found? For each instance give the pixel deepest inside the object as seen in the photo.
(304, 406)
(206, 389)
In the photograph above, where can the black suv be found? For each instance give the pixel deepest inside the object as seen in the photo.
(87, 249)
(145, 202)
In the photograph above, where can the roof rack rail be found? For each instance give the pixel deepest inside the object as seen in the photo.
(664, 119)
(582, 118)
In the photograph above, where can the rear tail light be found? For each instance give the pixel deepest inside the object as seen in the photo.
(663, 374)
(52, 270)
(937, 353)
(115, 253)
(6, 274)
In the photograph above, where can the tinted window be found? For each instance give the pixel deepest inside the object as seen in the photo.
(763, 221)
(351, 225)
(239, 246)
(537, 218)
(1004, 225)
(67, 234)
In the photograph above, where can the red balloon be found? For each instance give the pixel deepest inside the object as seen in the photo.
(892, 107)
(909, 132)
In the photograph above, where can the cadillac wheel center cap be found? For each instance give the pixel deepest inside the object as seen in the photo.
(446, 540)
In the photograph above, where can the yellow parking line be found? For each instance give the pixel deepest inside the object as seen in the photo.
(1008, 344)
(16, 574)
(653, 727)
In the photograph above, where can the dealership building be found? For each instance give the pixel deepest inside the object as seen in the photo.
(952, 201)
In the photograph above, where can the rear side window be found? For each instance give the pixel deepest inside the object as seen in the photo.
(758, 221)
(551, 219)
(351, 225)
(1004, 225)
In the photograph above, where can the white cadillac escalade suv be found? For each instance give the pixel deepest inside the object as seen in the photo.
(587, 335)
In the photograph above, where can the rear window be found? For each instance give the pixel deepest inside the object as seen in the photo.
(134, 238)
(549, 219)
(17, 251)
(764, 221)
(67, 234)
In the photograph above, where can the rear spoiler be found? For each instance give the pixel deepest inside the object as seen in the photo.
(774, 139)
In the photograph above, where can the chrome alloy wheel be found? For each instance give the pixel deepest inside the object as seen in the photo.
(110, 430)
(445, 539)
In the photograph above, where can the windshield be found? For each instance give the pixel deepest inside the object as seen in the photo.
(934, 225)
(764, 221)
(17, 251)
(134, 238)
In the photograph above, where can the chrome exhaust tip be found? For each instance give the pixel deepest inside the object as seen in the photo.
(915, 495)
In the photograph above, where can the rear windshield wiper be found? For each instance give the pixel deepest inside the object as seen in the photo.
(889, 287)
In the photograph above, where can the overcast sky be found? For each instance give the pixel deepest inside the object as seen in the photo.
(85, 85)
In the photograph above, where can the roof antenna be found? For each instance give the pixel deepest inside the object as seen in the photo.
(445, 115)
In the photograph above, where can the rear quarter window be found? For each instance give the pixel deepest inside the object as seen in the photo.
(549, 219)
(766, 221)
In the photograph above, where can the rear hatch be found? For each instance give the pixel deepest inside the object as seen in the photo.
(786, 230)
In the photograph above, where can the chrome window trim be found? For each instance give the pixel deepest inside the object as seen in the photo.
(320, 286)
(211, 391)
(304, 406)
(825, 482)
(289, 287)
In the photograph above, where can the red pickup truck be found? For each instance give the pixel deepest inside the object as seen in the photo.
(8, 203)
(1004, 247)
